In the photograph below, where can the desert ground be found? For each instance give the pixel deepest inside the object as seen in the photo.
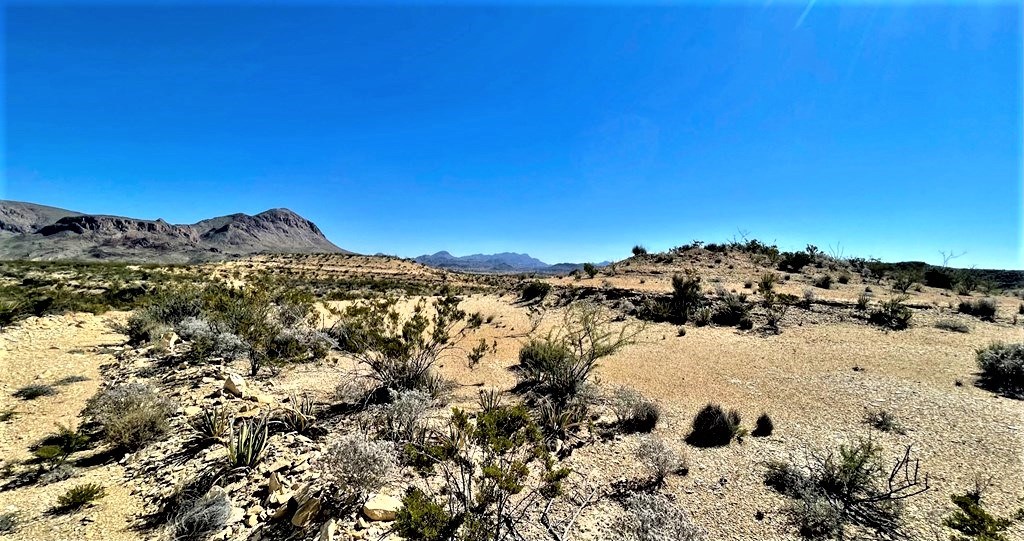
(818, 378)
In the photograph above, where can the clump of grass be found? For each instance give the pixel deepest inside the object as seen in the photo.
(952, 325)
(34, 391)
(79, 496)
(132, 415)
(763, 427)
(68, 380)
(714, 427)
(984, 309)
(634, 412)
(885, 421)
(1002, 367)
(892, 314)
(9, 522)
(300, 415)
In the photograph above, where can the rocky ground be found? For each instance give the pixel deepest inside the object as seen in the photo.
(816, 379)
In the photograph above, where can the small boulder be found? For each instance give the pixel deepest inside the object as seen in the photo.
(306, 512)
(329, 531)
(234, 384)
(382, 507)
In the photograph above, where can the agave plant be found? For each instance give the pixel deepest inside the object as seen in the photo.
(248, 442)
(211, 423)
(299, 416)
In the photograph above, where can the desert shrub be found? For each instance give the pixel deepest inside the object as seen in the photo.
(653, 517)
(794, 261)
(939, 278)
(659, 459)
(1020, 309)
(61, 471)
(9, 522)
(849, 488)
(952, 325)
(401, 350)
(402, 417)
(78, 496)
(702, 316)
(57, 447)
(972, 522)
(748, 284)
(299, 415)
(558, 366)
(535, 290)
(763, 427)
(809, 297)
(639, 250)
(634, 412)
(248, 443)
(824, 281)
(132, 415)
(862, 301)
(686, 295)
(713, 427)
(883, 420)
(766, 285)
(34, 391)
(207, 341)
(733, 310)
(902, 281)
(786, 479)
(211, 423)
(1002, 367)
(201, 518)
(486, 466)
(844, 278)
(590, 270)
(355, 465)
(892, 314)
(423, 518)
(984, 309)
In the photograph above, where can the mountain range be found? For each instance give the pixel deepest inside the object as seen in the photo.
(39, 232)
(497, 263)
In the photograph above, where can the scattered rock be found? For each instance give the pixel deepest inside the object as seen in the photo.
(306, 512)
(329, 531)
(382, 507)
(234, 384)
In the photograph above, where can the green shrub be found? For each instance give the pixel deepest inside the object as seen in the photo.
(862, 301)
(939, 278)
(794, 261)
(824, 281)
(300, 414)
(639, 250)
(78, 496)
(702, 316)
(248, 443)
(590, 269)
(901, 282)
(733, 310)
(849, 489)
(972, 522)
(35, 390)
(884, 421)
(844, 278)
(1002, 367)
(713, 427)
(686, 295)
(535, 290)
(892, 314)
(132, 415)
(423, 518)
(984, 309)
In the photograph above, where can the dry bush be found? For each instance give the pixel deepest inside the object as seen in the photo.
(355, 465)
(199, 519)
(652, 517)
(132, 415)
(660, 460)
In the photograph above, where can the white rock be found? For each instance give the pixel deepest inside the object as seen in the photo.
(234, 384)
(382, 507)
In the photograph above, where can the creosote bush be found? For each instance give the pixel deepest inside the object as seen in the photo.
(1002, 367)
(536, 290)
(892, 314)
(713, 427)
(132, 415)
(851, 488)
(633, 411)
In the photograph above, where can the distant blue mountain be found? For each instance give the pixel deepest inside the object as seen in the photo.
(503, 262)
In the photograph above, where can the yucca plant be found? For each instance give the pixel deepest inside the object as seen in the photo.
(299, 416)
(211, 423)
(248, 442)
(78, 496)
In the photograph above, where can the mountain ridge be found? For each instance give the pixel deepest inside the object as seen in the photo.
(32, 231)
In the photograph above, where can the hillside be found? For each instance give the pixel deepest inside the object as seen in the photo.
(37, 232)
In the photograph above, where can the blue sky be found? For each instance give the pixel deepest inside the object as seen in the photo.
(568, 131)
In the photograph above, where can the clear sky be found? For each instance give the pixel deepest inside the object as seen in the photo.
(567, 131)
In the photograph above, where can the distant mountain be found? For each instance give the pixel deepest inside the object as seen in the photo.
(505, 262)
(30, 231)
